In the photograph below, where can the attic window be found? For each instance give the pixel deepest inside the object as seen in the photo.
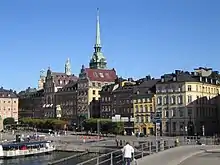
(101, 75)
(95, 74)
(138, 92)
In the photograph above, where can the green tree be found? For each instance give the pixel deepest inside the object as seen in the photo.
(106, 126)
(9, 120)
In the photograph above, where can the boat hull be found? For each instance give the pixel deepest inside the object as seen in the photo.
(25, 153)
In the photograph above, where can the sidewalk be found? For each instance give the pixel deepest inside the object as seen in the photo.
(174, 156)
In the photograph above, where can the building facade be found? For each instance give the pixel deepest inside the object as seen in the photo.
(8, 104)
(144, 106)
(31, 103)
(92, 79)
(66, 98)
(53, 82)
(185, 102)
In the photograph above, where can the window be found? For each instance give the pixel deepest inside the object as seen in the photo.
(99, 84)
(167, 113)
(174, 126)
(141, 108)
(165, 100)
(180, 99)
(101, 75)
(93, 84)
(136, 108)
(159, 100)
(173, 99)
(181, 112)
(93, 92)
(93, 98)
(146, 108)
(151, 109)
(189, 88)
(174, 112)
(189, 99)
(95, 74)
(189, 112)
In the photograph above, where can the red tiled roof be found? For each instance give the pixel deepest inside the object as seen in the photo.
(102, 75)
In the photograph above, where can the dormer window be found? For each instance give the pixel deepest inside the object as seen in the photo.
(174, 78)
(95, 74)
(162, 79)
(101, 75)
(200, 79)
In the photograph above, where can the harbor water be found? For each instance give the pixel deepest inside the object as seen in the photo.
(44, 159)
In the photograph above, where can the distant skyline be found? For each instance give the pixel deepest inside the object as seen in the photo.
(138, 37)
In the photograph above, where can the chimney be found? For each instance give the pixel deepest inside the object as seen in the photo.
(148, 77)
(130, 79)
(177, 71)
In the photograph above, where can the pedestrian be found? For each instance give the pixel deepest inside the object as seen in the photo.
(117, 142)
(128, 153)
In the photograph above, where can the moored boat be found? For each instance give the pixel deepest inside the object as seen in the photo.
(17, 149)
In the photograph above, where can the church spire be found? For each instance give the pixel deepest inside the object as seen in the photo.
(98, 60)
(68, 67)
(98, 39)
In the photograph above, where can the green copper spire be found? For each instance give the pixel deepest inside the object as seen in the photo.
(98, 60)
(98, 39)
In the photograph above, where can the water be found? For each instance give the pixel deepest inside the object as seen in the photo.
(45, 159)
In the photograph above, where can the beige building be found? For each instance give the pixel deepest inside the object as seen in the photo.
(186, 102)
(8, 104)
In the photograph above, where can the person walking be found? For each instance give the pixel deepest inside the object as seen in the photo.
(128, 153)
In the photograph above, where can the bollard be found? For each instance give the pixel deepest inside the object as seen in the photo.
(159, 145)
(97, 163)
(149, 146)
(111, 159)
(142, 150)
(156, 146)
(162, 146)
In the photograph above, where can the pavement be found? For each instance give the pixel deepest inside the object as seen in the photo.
(174, 156)
(203, 159)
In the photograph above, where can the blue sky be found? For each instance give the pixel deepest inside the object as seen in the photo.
(139, 37)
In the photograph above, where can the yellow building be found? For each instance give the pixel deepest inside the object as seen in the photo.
(144, 107)
(186, 103)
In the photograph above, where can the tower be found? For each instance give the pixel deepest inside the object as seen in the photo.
(68, 67)
(41, 81)
(98, 61)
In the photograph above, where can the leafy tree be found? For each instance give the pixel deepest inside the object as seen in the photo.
(106, 126)
(8, 120)
(44, 123)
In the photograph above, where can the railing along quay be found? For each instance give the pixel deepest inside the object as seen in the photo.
(143, 148)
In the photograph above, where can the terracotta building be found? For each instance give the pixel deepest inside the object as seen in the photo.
(8, 104)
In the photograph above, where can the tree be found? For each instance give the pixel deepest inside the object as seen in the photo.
(9, 120)
(106, 126)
